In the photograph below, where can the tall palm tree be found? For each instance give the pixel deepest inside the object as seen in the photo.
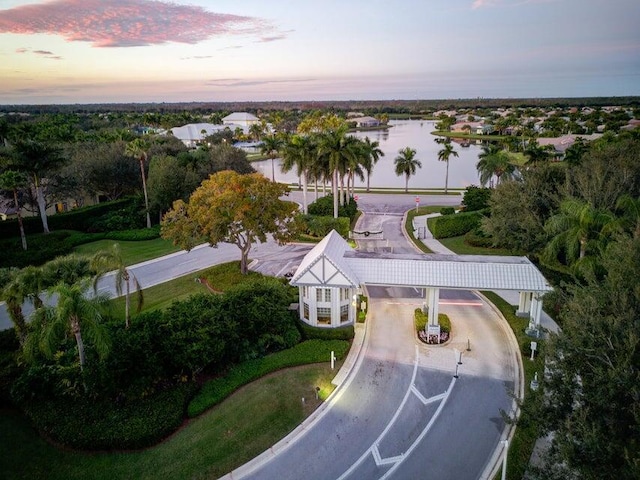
(299, 153)
(371, 155)
(13, 180)
(138, 149)
(37, 160)
(443, 156)
(495, 164)
(406, 164)
(271, 146)
(336, 150)
(74, 313)
(108, 260)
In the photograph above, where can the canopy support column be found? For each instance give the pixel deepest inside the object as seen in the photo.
(524, 305)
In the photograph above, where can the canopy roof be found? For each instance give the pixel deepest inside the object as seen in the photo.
(332, 262)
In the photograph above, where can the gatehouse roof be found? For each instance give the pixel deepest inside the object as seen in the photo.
(332, 262)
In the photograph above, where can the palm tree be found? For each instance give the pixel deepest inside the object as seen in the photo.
(13, 295)
(300, 153)
(537, 153)
(577, 230)
(74, 313)
(271, 146)
(106, 261)
(495, 164)
(406, 164)
(13, 180)
(336, 150)
(255, 131)
(443, 156)
(371, 155)
(630, 219)
(37, 159)
(138, 149)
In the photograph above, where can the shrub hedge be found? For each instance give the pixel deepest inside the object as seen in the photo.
(103, 424)
(324, 207)
(320, 226)
(447, 211)
(421, 319)
(477, 238)
(78, 219)
(310, 333)
(454, 225)
(310, 351)
(476, 198)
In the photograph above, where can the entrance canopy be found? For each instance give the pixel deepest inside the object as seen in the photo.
(332, 262)
(332, 272)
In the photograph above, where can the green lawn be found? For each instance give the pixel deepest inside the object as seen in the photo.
(458, 245)
(220, 277)
(132, 252)
(408, 225)
(241, 427)
(163, 295)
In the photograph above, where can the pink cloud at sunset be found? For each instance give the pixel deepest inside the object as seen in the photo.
(127, 23)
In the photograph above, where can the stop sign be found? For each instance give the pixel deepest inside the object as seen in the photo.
(355, 197)
(417, 199)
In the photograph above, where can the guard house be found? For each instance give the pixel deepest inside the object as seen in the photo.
(331, 274)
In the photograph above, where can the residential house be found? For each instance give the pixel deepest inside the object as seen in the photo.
(240, 119)
(193, 133)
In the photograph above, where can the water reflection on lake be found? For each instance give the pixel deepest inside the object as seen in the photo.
(407, 133)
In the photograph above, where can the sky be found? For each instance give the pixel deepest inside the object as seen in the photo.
(105, 51)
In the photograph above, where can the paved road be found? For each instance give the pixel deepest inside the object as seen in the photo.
(182, 263)
(402, 414)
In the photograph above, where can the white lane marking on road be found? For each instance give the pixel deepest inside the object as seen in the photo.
(389, 425)
(384, 461)
(423, 399)
(424, 432)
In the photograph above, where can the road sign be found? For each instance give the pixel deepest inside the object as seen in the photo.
(355, 197)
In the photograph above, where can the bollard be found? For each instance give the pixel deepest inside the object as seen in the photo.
(333, 360)
(317, 393)
(468, 345)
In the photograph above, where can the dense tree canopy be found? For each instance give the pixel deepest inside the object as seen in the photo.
(234, 208)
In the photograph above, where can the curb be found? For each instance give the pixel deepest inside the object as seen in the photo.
(495, 462)
(352, 364)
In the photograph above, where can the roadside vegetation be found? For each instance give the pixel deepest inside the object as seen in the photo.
(90, 377)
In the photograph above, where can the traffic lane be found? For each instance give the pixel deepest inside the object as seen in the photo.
(392, 203)
(462, 440)
(361, 412)
(446, 295)
(283, 263)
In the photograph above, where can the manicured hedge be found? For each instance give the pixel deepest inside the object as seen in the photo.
(454, 225)
(103, 424)
(341, 333)
(78, 219)
(324, 207)
(447, 211)
(320, 226)
(421, 319)
(311, 351)
(477, 238)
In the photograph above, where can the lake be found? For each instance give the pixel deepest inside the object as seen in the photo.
(406, 133)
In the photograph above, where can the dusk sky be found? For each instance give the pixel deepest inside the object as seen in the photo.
(86, 51)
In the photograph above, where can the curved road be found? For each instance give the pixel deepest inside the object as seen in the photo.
(402, 414)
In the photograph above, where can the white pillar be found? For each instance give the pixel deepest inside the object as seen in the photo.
(335, 307)
(434, 298)
(536, 310)
(301, 299)
(524, 305)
